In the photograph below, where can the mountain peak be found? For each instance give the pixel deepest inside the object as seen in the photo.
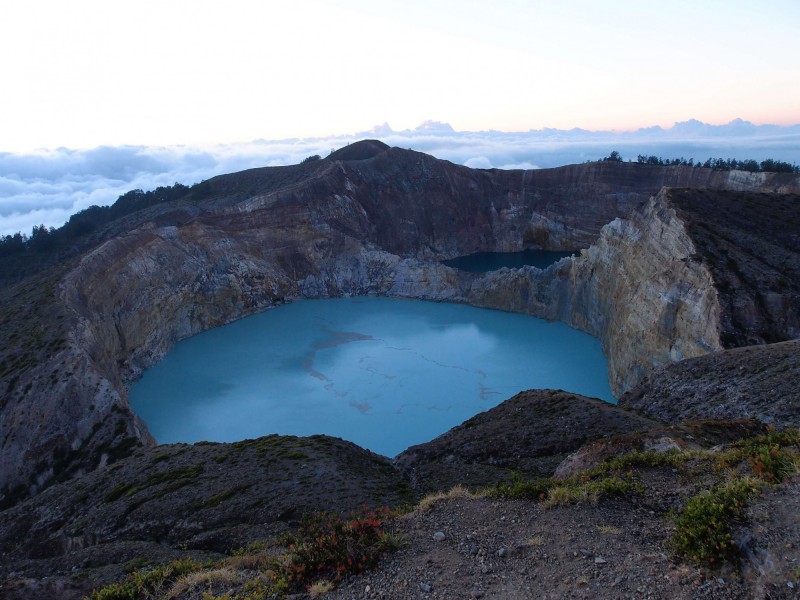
(360, 150)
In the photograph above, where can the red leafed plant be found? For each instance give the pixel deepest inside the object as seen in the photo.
(331, 547)
(771, 464)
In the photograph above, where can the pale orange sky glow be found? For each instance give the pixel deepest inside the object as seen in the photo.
(87, 73)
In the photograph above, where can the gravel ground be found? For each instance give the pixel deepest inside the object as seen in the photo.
(517, 549)
(617, 549)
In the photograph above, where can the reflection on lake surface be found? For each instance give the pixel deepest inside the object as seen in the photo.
(383, 373)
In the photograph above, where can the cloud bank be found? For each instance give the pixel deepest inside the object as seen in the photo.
(48, 186)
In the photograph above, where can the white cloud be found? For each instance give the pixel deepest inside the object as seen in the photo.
(46, 187)
(525, 166)
(479, 162)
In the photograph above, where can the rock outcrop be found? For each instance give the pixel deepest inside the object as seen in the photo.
(639, 289)
(756, 382)
(529, 434)
(371, 220)
(750, 243)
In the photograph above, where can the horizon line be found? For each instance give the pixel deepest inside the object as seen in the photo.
(429, 127)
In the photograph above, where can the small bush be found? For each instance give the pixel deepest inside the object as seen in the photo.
(772, 464)
(332, 548)
(390, 542)
(703, 527)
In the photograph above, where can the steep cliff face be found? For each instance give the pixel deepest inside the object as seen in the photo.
(654, 300)
(751, 244)
(374, 224)
(640, 289)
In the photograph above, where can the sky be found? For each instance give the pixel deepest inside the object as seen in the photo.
(98, 97)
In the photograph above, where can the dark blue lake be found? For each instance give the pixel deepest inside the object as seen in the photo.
(482, 262)
(383, 373)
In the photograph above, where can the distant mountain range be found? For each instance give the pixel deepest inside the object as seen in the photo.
(46, 187)
(682, 129)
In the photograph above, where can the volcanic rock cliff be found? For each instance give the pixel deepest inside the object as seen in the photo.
(367, 220)
(640, 289)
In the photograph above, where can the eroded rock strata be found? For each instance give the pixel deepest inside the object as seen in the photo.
(367, 220)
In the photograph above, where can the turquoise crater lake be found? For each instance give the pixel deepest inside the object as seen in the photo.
(482, 262)
(383, 373)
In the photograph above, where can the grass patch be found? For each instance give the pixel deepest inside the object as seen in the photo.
(176, 479)
(160, 458)
(429, 501)
(204, 580)
(608, 530)
(320, 588)
(574, 490)
(217, 499)
(323, 551)
(535, 541)
(147, 583)
(649, 459)
(590, 492)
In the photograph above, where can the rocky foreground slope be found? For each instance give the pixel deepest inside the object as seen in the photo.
(207, 500)
(672, 280)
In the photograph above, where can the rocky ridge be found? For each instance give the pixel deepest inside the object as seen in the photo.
(757, 382)
(373, 224)
(514, 549)
(672, 277)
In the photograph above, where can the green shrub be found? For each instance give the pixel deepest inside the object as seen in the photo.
(577, 489)
(772, 464)
(520, 489)
(703, 527)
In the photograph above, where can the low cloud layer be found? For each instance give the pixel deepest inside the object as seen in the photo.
(47, 187)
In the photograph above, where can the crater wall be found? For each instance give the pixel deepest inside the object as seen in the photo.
(376, 225)
(640, 289)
